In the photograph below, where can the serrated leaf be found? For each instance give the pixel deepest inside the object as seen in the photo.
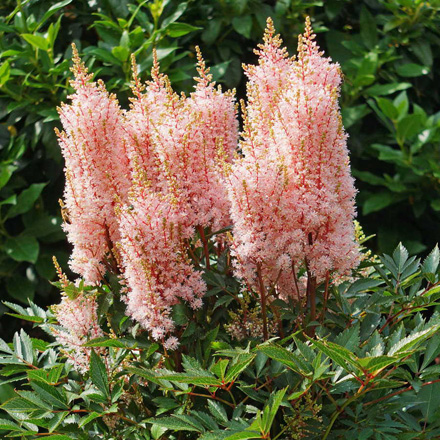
(191, 378)
(205, 419)
(350, 337)
(374, 364)
(411, 341)
(238, 365)
(218, 412)
(243, 435)
(23, 347)
(340, 355)
(92, 416)
(9, 425)
(56, 420)
(176, 423)
(22, 405)
(219, 368)
(50, 394)
(282, 355)
(98, 374)
(431, 263)
(400, 255)
(271, 410)
(50, 377)
(431, 352)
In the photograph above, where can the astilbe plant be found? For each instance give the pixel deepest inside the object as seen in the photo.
(292, 193)
(97, 172)
(195, 251)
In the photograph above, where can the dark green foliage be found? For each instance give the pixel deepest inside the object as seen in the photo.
(370, 371)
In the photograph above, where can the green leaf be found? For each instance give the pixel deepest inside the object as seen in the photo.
(217, 411)
(411, 70)
(431, 352)
(191, 378)
(58, 437)
(368, 28)
(121, 53)
(219, 70)
(37, 41)
(50, 376)
(178, 423)
(387, 89)
(20, 288)
(409, 126)
(26, 199)
(28, 405)
(50, 394)
(98, 374)
(9, 426)
(351, 115)
(52, 10)
(431, 263)
(387, 108)
(340, 355)
(6, 172)
(281, 355)
(239, 364)
(429, 396)
(374, 364)
(179, 29)
(243, 25)
(176, 14)
(376, 202)
(22, 248)
(271, 410)
(23, 347)
(243, 435)
(110, 342)
(5, 71)
(411, 341)
(92, 416)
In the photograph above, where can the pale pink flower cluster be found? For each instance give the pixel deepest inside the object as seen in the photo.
(180, 144)
(156, 265)
(177, 145)
(97, 172)
(79, 319)
(145, 180)
(141, 182)
(292, 193)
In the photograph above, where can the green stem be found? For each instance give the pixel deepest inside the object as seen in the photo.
(338, 412)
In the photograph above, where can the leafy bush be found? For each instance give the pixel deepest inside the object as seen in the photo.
(370, 372)
(251, 361)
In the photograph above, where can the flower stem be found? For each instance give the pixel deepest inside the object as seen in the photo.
(263, 301)
(205, 246)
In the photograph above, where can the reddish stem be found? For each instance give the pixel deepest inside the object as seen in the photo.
(263, 301)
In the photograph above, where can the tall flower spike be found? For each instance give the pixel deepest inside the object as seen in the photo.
(292, 193)
(79, 320)
(156, 267)
(192, 136)
(311, 132)
(148, 103)
(96, 165)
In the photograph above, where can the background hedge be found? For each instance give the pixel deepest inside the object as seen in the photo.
(388, 50)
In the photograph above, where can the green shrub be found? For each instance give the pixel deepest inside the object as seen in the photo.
(369, 373)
